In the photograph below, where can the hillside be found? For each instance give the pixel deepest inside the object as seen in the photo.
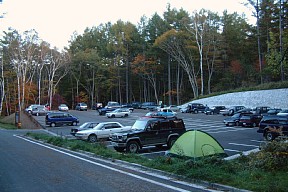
(275, 98)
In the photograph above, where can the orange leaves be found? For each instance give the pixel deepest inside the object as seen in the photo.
(144, 66)
(236, 67)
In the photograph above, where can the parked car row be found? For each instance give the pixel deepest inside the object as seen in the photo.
(272, 122)
(247, 119)
(271, 126)
(36, 109)
(133, 138)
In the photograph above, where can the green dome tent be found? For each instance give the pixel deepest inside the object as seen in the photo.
(195, 144)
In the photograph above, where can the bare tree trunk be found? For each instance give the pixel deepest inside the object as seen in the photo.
(178, 84)
(169, 80)
(2, 83)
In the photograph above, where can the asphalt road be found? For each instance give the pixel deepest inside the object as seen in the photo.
(235, 140)
(28, 165)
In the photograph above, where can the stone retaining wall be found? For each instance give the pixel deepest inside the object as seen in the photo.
(275, 98)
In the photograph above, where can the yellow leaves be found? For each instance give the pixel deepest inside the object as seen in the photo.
(171, 34)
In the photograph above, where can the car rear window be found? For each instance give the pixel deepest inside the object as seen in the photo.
(246, 117)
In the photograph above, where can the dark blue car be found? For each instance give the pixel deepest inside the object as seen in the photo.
(60, 118)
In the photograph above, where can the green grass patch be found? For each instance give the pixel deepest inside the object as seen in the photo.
(262, 171)
(7, 126)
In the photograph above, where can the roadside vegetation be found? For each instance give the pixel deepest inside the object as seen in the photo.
(263, 171)
(7, 125)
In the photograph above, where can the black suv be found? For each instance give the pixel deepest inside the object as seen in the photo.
(273, 126)
(213, 110)
(149, 131)
(196, 107)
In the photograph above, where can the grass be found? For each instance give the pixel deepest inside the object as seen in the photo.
(7, 125)
(262, 171)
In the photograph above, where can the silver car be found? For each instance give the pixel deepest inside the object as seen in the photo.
(118, 113)
(101, 131)
(39, 110)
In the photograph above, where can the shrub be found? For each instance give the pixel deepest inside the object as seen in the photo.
(272, 157)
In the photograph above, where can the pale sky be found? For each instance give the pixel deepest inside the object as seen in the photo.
(56, 20)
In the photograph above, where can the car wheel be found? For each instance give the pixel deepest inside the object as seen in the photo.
(126, 115)
(171, 142)
(92, 138)
(211, 113)
(237, 123)
(74, 123)
(231, 112)
(269, 136)
(254, 125)
(196, 111)
(113, 116)
(52, 125)
(119, 149)
(132, 147)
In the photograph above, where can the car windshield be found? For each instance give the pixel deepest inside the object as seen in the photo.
(99, 126)
(236, 115)
(139, 125)
(83, 125)
(246, 117)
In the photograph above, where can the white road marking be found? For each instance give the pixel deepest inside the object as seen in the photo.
(117, 170)
(229, 130)
(239, 144)
(233, 150)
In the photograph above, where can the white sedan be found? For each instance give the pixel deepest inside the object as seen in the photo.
(283, 112)
(101, 131)
(63, 107)
(121, 112)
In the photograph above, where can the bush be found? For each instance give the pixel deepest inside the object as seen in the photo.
(272, 157)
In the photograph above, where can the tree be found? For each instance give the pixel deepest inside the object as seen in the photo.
(56, 68)
(2, 81)
(177, 44)
(148, 69)
(198, 30)
(21, 50)
(174, 19)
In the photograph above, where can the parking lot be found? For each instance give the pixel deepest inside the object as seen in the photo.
(234, 140)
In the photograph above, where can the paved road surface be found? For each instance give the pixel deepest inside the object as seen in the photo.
(32, 166)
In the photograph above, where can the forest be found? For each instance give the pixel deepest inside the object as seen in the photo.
(172, 58)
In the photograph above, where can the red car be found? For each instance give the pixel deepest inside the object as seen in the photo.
(250, 120)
